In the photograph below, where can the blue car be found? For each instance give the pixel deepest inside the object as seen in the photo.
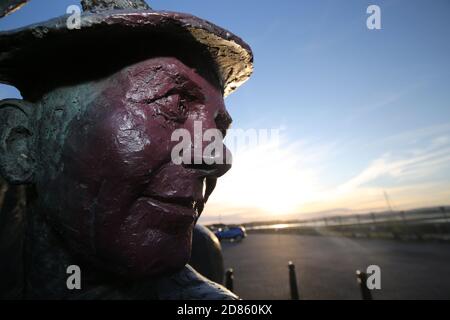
(235, 233)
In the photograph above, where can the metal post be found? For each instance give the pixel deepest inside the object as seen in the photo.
(373, 217)
(403, 216)
(362, 281)
(293, 282)
(444, 212)
(229, 277)
(447, 226)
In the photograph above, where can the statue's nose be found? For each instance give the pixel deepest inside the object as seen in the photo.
(215, 164)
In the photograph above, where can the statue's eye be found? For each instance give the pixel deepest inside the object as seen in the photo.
(173, 108)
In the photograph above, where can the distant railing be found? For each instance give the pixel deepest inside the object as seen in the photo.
(432, 215)
(412, 223)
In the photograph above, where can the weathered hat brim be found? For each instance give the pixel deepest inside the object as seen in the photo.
(233, 57)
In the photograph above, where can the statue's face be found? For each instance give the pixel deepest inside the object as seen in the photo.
(117, 198)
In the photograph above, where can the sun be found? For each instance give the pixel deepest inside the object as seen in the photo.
(269, 177)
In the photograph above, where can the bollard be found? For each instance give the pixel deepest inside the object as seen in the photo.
(444, 212)
(293, 282)
(362, 281)
(229, 277)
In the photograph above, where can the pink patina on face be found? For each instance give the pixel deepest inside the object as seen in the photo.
(119, 200)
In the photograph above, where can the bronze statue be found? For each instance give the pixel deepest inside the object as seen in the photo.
(92, 140)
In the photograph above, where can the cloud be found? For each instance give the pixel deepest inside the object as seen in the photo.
(414, 167)
(270, 179)
(410, 164)
(385, 101)
(288, 179)
(428, 133)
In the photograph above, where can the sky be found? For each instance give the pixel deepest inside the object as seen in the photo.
(360, 113)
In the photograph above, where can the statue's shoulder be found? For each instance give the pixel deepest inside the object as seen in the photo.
(188, 284)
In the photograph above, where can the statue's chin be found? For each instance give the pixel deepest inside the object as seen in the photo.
(157, 254)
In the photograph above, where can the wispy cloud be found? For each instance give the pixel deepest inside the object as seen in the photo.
(386, 100)
(412, 164)
(280, 180)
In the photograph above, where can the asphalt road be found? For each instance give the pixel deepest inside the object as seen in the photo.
(326, 267)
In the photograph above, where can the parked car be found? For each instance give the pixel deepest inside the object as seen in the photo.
(235, 233)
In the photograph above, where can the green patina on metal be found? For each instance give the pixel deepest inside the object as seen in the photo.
(106, 194)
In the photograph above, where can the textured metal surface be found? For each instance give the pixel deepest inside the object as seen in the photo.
(96, 5)
(93, 138)
(108, 198)
(9, 6)
(19, 54)
(206, 256)
(190, 285)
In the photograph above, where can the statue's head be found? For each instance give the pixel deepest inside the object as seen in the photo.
(95, 141)
(99, 154)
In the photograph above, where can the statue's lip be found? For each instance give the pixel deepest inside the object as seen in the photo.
(168, 215)
(187, 202)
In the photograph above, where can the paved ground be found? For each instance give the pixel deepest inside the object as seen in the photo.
(326, 267)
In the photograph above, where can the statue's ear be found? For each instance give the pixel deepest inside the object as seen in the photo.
(17, 160)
